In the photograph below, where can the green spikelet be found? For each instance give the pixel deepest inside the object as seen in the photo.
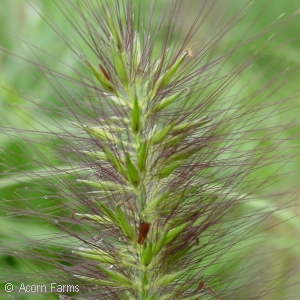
(168, 278)
(160, 135)
(184, 154)
(116, 161)
(142, 155)
(174, 68)
(106, 83)
(117, 276)
(167, 76)
(167, 170)
(136, 117)
(133, 173)
(114, 30)
(161, 241)
(166, 102)
(136, 52)
(175, 232)
(98, 133)
(95, 218)
(125, 224)
(147, 255)
(120, 64)
(98, 255)
(192, 125)
(106, 185)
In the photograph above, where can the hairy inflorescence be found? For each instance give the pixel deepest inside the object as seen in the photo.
(149, 164)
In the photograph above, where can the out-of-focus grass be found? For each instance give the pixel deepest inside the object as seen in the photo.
(19, 21)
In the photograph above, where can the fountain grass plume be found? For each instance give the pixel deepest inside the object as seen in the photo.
(152, 158)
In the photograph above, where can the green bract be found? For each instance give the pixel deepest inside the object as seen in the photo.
(106, 83)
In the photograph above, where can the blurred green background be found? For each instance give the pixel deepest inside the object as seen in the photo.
(19, 22)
